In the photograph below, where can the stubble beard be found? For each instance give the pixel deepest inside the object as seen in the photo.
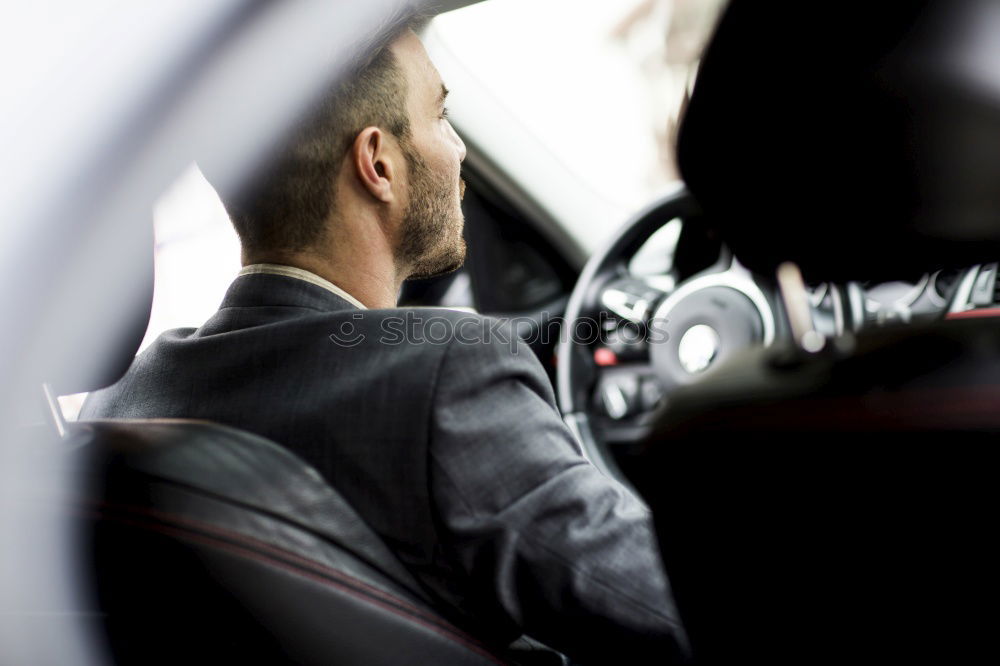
(431, 241)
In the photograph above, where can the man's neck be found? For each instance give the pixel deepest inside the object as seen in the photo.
(373, 284)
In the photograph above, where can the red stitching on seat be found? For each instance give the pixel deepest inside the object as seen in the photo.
(180, 533)
(277, 550)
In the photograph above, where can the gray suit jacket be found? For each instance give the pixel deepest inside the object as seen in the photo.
(443, 434)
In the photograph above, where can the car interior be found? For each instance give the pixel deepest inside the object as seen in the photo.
(805, 396)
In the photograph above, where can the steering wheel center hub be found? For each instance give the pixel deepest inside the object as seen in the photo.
(700, 325)
(698, 348)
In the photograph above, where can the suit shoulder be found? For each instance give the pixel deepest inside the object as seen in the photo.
(467, 331)
(440, 326)
(467, 339)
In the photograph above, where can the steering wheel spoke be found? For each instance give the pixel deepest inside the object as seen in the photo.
(634, 299)
(655, 335)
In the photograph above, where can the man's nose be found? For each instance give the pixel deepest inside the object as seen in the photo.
(458, 142)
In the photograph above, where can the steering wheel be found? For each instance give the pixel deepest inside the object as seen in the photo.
(629, 340)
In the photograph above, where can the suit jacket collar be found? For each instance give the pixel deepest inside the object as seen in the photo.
(264, 289)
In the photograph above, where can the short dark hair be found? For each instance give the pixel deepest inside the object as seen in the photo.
(286, 205)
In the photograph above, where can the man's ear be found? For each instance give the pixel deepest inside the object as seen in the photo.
(373, 163)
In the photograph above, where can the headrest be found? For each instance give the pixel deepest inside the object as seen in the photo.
(859, 139)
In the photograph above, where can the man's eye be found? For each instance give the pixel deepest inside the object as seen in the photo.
(444, 113)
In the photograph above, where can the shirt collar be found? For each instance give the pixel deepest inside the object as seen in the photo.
(301, 274)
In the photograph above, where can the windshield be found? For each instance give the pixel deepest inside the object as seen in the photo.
(597, 84)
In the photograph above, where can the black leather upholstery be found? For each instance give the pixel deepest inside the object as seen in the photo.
(836, 507)
(212, 545)
(855, 138)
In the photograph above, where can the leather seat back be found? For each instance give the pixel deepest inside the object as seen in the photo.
(839, 506)
(212, 545)
(836, 507)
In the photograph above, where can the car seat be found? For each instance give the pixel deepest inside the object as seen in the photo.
(837, 504)
(201, 543)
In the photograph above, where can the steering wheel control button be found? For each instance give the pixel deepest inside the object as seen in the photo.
(627, 341)
(613, 399)
(604, 357)
(618, 394)
(650, 393)
(698, 348)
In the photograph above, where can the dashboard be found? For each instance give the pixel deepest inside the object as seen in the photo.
(658, 335)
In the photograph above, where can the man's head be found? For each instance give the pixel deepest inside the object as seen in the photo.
(431, 239)
(377, 156)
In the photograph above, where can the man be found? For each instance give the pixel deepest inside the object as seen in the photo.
(454, 453)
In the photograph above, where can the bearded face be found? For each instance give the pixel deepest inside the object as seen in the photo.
(431, 239)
